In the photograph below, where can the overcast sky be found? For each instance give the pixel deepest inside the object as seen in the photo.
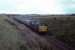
(37, 6)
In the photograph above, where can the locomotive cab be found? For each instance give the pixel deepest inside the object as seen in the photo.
(43, 28)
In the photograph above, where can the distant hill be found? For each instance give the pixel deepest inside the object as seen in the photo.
(38, 15)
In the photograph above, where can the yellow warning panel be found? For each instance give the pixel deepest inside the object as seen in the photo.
(43, 28)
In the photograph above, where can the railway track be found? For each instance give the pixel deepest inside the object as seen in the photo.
(50, 43)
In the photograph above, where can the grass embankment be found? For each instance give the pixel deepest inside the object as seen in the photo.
(8, 36)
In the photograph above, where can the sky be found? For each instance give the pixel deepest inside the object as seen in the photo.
(37, 6)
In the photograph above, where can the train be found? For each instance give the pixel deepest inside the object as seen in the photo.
(33, 24)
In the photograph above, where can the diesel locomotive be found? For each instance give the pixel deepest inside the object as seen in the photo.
(33, 24)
